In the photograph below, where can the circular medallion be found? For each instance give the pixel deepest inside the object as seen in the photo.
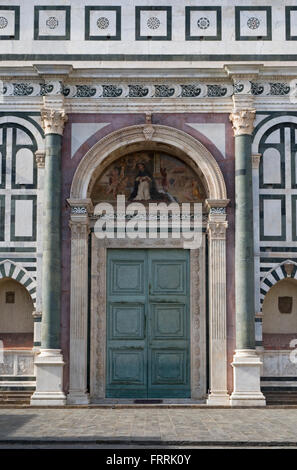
(52, 22)
(203, 23)
(253, 22)
(102, 22)
(153, 22)
(3, 22)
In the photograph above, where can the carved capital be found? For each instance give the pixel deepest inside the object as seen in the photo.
(80, 229)
(256, 157)
(53, 120)
(217, 229)
(243, 121)
(40, 158)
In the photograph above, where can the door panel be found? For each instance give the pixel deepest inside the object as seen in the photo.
(148, 339)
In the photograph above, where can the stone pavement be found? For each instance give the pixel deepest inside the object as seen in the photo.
(149, 426)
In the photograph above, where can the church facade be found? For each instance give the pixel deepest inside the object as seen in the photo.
(171, 103)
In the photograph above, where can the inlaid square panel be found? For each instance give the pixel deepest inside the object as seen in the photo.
(23, 218)
(168, 367)
(272, 217)
(9, 22)
(103, 23)
(127, 277)
(203, 22)
(291, 23)
(253, 23)
(168, 321)
(168, 277)
(126, 366)
(52, 22)
(153, 23)
(127, 321)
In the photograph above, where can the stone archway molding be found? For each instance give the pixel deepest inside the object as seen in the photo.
(159, 134)
(11, 270)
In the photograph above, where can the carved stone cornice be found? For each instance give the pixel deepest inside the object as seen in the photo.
(243, 121)
(53, 120)
(40, 158)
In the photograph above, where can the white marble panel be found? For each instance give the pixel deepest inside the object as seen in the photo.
(253, 23)
(203, 23)
(293, 23)
(102, 23)
(153, 23)
(24, 166)
(271, 166)
(23, 218)
(81, 132)
(215, 132)
(52, 22)
(23, 138)
(272, 218)
(273, 138)
(7, 22)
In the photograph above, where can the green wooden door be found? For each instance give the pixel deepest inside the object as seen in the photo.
(148, 339)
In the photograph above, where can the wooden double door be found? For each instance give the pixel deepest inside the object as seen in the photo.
(148, 323)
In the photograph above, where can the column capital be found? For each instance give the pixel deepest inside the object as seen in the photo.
(53, 120)
(217, 229)
(40, 158)
(256, 157)
(79, 228)
(243, 121)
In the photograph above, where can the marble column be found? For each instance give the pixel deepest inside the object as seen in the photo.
(80, 229)
(216, 229)
(37, 314)
(246, 362)
(49, 363)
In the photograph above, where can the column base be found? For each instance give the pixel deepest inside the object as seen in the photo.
(218, 399)
(247, 371)
(49, 379)
(78, 398)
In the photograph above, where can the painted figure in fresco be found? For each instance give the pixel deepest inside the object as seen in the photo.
(117, 181)
(144, 186)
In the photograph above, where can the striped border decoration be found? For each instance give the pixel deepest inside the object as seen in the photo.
(15, 271)
(275, 275)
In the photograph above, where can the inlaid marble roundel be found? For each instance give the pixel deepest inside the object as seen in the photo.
(153, 22)
(102, 22)
(203, 23)
(253, 23)
(52, 22)
(3, 22)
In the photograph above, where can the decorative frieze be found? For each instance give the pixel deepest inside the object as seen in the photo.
(145, 90)
(53, 120)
